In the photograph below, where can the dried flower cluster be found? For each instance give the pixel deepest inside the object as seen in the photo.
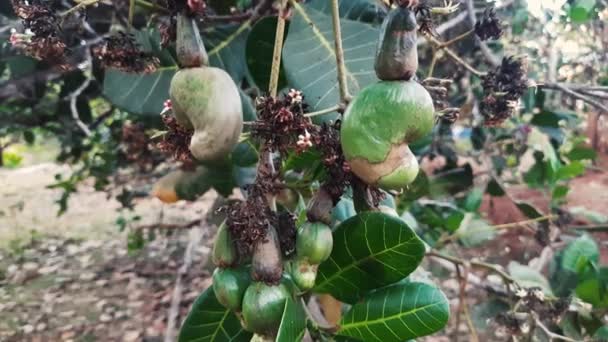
(176, 141)
(503, 88)
(281, 123)
(122, 52)
(425, 20)
(136, 145)
(42, 38)
(339, 175)
(489, 27)
(287, 232)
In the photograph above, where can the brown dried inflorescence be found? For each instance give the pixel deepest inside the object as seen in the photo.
(281, 123)
(42, 38)
(425, 20)
(176, 141)
(489, 27)
(136, 144)
(287, 233)
(503, 88)
(339, 174)
(122, 52)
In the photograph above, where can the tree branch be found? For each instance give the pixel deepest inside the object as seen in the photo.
(76, 93)
(278, 49)
(341, 68)
(570, 90)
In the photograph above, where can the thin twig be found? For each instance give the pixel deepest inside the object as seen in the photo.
(480, 264)
(462, 278)
(76, 93)
(550, 334)
(170, 226)
(440, 46)
(458, 38)
(80, 5)
(568, 90)
(278, 48)
(341, 67)
(323, 111)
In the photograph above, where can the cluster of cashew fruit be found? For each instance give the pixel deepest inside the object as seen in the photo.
(386, 116)
(256, 289)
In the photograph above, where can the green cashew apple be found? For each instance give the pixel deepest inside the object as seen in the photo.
(263, 307)
(207, 100)
(303, 274)
(224, 252)
(377, 128)
(229, 285)
(314, 242)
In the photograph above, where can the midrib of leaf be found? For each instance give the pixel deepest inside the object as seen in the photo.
(230, 38)
(219, 326)
(387, 318)
(322, 39)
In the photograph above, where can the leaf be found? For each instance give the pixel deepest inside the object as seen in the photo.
(309, 58)
(601, 333)
(371, 250)
(226, 47)
(474, 230)
(486, 311)
(495, 189)
(582, 250)
(397, 313)
(528, 209)
(208, 320)
(572, 170)
(293, 322)
(368, 11)
(560, 192)
(138, 93)
(473, 200)
(259, 51)
(526, 276)
(582, 10)
(581, 153)
(344, 210)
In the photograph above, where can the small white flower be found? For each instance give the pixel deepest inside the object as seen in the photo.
(521, 293)
(525, 328)
(167, 106)
(539, 294)
(304, 140)
(296, 96)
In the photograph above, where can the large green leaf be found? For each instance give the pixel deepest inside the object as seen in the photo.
(371, 250)
(397, 313)
(369, 11)
(579, 253)
(145, 93)
(526, 276)
(208, 320)
(293, 322)
(310, 62)
(260, 45)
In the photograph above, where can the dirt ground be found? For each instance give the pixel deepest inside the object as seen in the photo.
(71, 278)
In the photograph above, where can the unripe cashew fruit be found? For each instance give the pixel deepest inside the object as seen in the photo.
(181, 185)
(224, 252)
(266, 262)
(314, 242)
(230, 285)
(303, 274)
(397, 51)
(377, 128)
(263, 307)
(207, 101)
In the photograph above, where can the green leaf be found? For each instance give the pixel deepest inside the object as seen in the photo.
(473, 200)
(560, 192)
(368, 11)
(581, 153)
(208, 320)
(582, 250)
(572, 170)
(20, 66)
(344, 210)
(528, 209)
(371, 250)
(519, 21)
(601, 333)
(138, 93)
(419, 188)
(226, 47)
(526, 276)
(293, 322)
(474, 231)
(259, 50)
(245, 154)
(397, 313)
(582, 10)
(309, 57)
(495, 189)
